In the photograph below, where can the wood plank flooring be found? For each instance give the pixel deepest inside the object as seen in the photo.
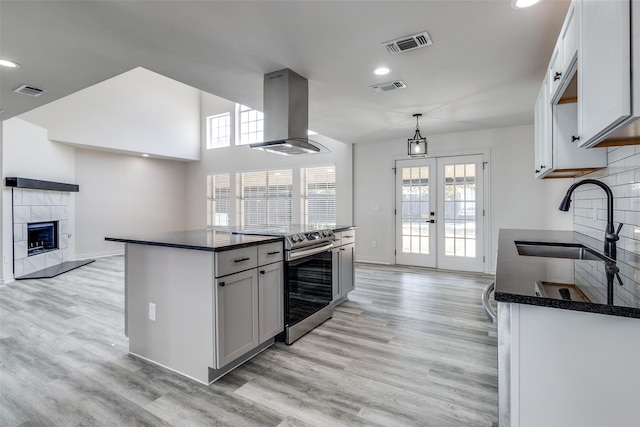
(411, 347)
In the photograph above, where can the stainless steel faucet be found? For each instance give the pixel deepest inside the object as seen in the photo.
(610, 236)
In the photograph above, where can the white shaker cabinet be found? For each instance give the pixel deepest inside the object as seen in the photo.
(605, 64)
(557, 149)
(543, 143)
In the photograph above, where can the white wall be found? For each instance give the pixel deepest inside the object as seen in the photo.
(240, 159)
(123, 195)
(136, 112)
(517, 200)
(119, 194)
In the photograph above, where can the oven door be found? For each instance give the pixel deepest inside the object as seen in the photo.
(307, 286)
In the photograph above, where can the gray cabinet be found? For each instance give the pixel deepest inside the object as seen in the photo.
(270, 300)
(343, 259)
(249, 302)
(236, 303)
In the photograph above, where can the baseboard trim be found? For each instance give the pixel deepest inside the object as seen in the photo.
(367, 260)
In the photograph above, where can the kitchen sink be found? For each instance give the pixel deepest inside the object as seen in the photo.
(559, 250)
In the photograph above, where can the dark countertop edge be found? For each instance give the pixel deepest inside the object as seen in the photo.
(585, 307)
(578, 238)
(228, 247)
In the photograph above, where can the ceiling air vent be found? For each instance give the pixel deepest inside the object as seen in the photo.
(387, 86)
(408, 43)
(30, 90)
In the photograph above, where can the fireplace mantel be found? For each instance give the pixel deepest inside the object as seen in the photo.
(36, 184)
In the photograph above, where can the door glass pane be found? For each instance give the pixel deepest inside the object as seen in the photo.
(415, 209)
(460, 210)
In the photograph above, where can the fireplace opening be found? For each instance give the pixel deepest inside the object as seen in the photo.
(42, 237)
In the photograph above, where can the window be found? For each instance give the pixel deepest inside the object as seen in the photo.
(219, 130)
(265, 198)
(218, 200)
(319, 195)
(251, 125)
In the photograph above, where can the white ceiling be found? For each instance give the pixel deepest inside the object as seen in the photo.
(484, 69)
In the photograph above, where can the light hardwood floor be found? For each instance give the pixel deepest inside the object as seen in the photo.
(411, 347)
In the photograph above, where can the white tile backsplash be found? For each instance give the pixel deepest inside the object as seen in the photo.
(623, 176)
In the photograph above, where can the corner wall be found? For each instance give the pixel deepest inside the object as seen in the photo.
(517, 199)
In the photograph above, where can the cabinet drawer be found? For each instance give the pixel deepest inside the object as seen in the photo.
(347, 237)
(233, 261)
(270, 252)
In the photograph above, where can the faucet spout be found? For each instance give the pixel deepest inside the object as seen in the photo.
(610, 236)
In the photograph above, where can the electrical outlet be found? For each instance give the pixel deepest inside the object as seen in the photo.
(374, 244)
(152, 311)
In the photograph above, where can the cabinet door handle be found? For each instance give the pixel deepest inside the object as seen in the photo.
(537, 170)
(342, 249)
(242, 259)
(542, 166)
(557, 76)
(273, 253)
(575, 138)
(262, 271)
(347, 237)
(221, 284)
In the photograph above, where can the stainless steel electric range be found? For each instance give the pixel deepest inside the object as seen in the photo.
(307, 276)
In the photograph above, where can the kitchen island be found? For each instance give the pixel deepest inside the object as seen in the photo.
(568, 331)
(201, 302)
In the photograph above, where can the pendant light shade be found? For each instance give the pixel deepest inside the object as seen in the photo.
(417, 146)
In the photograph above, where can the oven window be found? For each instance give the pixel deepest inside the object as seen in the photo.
(308, 286)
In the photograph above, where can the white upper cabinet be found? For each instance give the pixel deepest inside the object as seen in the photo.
(557, 151)
(605, 69)
(542, 132)
(564, 58)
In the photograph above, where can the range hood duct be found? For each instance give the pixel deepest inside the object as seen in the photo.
(286, 115)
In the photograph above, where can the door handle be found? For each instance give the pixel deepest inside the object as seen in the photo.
(432, 221)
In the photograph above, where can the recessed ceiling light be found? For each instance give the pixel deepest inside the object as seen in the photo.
(9, 64)
(381, 71)
(145, 155)
(523, 4)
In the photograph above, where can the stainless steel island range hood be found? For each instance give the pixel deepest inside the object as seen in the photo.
(286, 115)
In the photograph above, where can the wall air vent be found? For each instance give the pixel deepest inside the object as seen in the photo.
(30, 90)
(408, 43)
(387, 86)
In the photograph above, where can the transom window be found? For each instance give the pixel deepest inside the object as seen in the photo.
(219, 130)
(250, 125)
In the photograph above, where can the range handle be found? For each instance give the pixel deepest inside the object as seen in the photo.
(299, 253)
(491, 313)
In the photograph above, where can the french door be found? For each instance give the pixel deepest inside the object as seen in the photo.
(440, 213)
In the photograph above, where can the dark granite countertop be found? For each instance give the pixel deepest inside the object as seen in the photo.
(570, 284)
(209, 239)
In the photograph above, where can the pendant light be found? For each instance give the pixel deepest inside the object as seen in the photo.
(417, 146)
